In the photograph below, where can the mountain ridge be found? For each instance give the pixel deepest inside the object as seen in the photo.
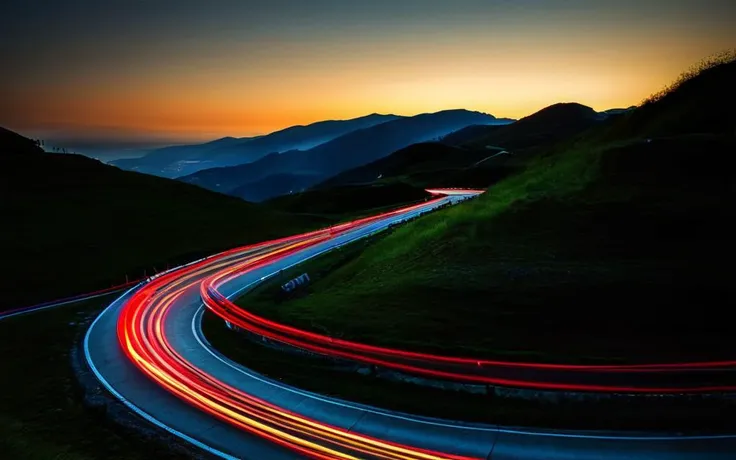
(350, 150)
(176, 161)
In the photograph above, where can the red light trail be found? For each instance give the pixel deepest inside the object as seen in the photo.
(141, 334)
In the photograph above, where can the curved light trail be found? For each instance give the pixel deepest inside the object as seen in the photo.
(624, 378)
(141, 332)
(141, 335)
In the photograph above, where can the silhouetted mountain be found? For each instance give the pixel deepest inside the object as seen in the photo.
(345, 152)
(14, 144)
(182, 160)
(418, 161)
(73, 224)
(545, 127)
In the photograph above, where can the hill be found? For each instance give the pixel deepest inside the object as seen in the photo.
(611, 248)
(478, 155)
(72, 224)
(469, 133)
(542, 128)
(272, 186)
(14, 144)
(423, 164)
(348, 151)
(178, 161)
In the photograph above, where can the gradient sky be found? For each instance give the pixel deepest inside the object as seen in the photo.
(185, 70)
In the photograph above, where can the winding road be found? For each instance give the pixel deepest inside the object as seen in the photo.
(148, 350)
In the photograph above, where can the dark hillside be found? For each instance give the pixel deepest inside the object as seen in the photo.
(417, 159)
(348, 200)
(72, 224)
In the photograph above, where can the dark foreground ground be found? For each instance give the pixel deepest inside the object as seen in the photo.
(43, 414)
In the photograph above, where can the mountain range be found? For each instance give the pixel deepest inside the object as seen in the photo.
(295, 170)
(181, 160)
(477, 155)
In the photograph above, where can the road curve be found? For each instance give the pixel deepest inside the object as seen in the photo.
(148, 351)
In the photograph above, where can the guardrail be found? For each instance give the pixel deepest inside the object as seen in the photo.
(659, 378)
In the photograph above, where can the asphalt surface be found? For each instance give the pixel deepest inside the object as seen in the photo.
(182, 329)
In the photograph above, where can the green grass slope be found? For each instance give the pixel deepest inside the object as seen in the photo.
(72, 224)
(612, 246)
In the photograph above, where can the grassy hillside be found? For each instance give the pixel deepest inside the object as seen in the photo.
(72, 224)
(612, 246)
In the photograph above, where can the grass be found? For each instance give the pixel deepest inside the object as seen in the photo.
(608, 247)
(529, 270)
(325, 377)
(42, 415)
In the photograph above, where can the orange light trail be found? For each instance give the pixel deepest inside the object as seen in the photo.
(141, 333)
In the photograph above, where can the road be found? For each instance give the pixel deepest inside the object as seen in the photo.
(148, 351)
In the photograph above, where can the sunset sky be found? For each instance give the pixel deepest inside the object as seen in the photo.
(109, 71)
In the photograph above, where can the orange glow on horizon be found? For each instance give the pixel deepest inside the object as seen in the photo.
(285, 84)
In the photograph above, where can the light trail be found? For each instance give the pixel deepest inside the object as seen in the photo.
(470, 370)
(141, 332)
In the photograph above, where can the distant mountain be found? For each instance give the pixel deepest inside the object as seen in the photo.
(348, 151)
(100, 223)
(169, 161)
(476, 155)
(182, 160)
